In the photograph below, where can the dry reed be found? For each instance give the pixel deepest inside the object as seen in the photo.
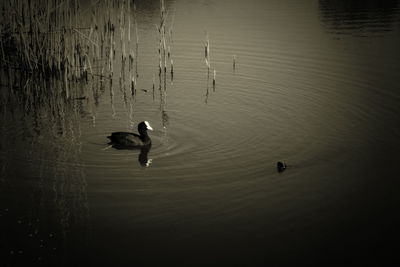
(45, 37)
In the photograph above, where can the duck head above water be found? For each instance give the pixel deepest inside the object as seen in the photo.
(143, 127)
(132, 140)
(281, 166)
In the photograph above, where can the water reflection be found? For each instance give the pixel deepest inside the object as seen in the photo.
(208, 87)
(44, 205)
(163, 102)
(359, 17)
(143, 159)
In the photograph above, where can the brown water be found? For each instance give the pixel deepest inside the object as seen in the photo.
(316, 84)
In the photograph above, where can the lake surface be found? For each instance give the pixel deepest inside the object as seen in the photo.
(315, 83)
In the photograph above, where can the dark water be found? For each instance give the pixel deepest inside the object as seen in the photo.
(316, 84)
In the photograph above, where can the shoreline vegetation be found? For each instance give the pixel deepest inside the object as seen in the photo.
(84, 46)
(63, 40)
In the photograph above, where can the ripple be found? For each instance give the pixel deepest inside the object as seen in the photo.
(298, 96)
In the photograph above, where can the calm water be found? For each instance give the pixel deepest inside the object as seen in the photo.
(316, 84)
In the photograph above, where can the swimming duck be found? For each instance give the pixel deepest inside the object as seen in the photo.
(126, 139)
(281, 166)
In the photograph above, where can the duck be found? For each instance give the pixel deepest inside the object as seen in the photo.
(281, 166)
(132, 140)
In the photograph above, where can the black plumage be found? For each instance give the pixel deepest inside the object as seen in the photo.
(127, 139)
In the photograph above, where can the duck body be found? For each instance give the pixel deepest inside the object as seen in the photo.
(132, 140)
(129, 139)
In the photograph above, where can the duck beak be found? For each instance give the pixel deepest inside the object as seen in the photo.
(148, 127)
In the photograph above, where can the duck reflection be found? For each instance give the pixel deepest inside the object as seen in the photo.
(143, 158)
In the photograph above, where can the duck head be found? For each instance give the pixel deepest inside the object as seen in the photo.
(143, 127)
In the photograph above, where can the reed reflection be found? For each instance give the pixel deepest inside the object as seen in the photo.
(43, 180)
(358, 17)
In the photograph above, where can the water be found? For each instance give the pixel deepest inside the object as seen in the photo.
(315, 84)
